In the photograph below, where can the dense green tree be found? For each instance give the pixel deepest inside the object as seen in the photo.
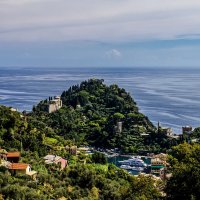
(196, 134)
(98, 157)
(185, 167)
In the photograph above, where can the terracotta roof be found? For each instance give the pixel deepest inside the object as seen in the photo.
(18, 166)
(13, 154)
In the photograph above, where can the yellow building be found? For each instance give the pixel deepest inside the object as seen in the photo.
(20, 168)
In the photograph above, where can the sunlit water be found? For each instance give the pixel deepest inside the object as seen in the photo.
(171, 96)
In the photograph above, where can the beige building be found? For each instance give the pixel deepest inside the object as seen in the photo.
(167, 131)
(54, 159)
(54, 104)
(20, 168)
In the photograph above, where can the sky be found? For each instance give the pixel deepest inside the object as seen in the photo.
(100, 33)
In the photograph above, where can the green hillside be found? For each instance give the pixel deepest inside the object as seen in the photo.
(91, 113)
(92, 180)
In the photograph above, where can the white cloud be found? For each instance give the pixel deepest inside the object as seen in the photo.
(113, 53)
(102, 20)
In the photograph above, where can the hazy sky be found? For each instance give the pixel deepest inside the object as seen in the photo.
(100, 33)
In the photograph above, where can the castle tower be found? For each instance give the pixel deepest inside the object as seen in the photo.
(119, 127)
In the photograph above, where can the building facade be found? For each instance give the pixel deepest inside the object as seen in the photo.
(54, 104)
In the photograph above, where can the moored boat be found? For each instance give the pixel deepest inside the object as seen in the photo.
(127, 167)
(133, 162)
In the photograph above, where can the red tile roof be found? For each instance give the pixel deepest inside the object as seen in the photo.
(13, 154)
(18, 166)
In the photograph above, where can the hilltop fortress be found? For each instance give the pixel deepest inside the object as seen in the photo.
(54, 104)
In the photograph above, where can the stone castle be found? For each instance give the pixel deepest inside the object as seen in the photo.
(54, 104)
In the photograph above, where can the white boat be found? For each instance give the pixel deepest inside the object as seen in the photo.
(134, 161)
(127, 167)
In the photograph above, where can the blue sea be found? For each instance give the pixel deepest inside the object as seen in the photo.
(171, 96)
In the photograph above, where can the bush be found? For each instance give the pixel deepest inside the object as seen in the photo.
(98, 157)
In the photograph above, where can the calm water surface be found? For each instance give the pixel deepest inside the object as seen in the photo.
(171, 96)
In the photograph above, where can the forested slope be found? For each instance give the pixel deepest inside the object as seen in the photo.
(91, 113)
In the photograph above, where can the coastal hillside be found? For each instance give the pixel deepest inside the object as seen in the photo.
(40, 134)
(94, 179)
(32, 139)
(18, 132)
(96, 114)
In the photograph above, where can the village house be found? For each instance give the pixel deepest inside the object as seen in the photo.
(10, 160)
(54, 159)
(187, 129)
(22, 168)
(13, 156)
(186, 134)
(159, 165)
(19, 168)
(167, 131)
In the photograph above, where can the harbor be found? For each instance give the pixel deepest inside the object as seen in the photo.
(152, 164)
